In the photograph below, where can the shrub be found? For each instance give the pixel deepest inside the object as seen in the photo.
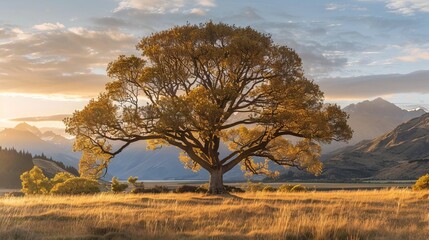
(117, 186)
(77, 185)
(204, 188)
(254, 187)
(35, 182)
(422, 183)
(186, 189)
(132, 180)
(156, 189)
(61, 177)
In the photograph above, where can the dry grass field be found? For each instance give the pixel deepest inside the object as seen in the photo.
(375, 214)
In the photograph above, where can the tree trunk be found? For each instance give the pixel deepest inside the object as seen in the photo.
(216, 182)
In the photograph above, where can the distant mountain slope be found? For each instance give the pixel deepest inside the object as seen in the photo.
(13, 163)
(370, 119)
(50, 168)
(30, 138)
(400, 154)
(160, 164)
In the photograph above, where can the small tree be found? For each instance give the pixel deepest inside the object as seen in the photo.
(132, 180)
(77, 185)
(35, 182)
(118, 186)
(422, 183)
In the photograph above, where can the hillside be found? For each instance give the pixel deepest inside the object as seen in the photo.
(400, 154)
(13, 163)
(370, 119)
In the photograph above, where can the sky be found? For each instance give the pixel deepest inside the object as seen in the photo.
(53, 53)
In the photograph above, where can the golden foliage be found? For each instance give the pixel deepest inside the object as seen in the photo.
(422, 183)
(92, 164)
(203, 84)
(188, 162)
(76, 186)
(35, 182)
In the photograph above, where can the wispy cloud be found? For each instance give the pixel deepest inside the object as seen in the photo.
(167, 6)
(342, 7)
(59, 62)
(48, 26)
(414, 54)
(408, 7)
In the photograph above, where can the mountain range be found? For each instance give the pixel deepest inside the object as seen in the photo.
(401, 154)
(368, 119)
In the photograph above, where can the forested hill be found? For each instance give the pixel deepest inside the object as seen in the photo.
(12, 164)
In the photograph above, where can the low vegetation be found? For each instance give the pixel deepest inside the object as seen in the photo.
(422, 183)
(118, 186)
(261, 187)
(76, 186)
(381, 214)
(34, 182)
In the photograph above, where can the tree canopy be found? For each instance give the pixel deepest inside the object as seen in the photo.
(197, 87)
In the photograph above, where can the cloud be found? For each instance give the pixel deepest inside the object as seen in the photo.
(198, 11)
(408, 7)
(165, 6)
(48, 26)
(66, 62)
(414, 54)
(7, 33)
(342, 7)
(365, 87)
(335, 6)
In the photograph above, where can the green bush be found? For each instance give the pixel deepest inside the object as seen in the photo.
(77, 185)
(117, 186)
(422, 183)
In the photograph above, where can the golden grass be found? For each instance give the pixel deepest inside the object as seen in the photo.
(378, 214)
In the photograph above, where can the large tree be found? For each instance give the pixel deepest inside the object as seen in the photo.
(198, 87)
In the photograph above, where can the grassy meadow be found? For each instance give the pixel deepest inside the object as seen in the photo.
(374, 214)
